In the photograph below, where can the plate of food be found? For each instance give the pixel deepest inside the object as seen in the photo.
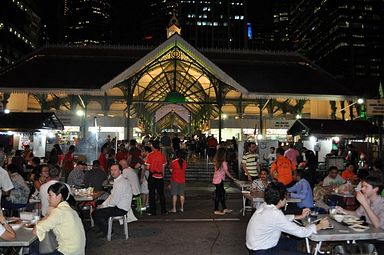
(359, 228)
(352, 221)
(350, 217)
(29, 226)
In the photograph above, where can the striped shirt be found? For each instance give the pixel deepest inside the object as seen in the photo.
(250, 162)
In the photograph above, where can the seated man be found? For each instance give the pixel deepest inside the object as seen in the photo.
(349, 173)
(302, 190)
(18, 196)
(6, 231)
(54, 176)
(95, 177)
(117, 204)
(266, 224)
(333, 179)
(371, 205)
(76, 176)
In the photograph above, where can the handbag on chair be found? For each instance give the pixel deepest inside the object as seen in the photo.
(49, 243)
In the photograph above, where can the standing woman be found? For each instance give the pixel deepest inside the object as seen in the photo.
(178, 167)
(64, 221)
(221, 169)
(68, 164)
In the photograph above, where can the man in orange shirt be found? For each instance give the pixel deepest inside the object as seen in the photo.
(281, 168)
(156, 162)
(349, 173)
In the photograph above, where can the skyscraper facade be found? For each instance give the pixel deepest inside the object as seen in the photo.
(214, 24)
(87, 22)
(19, 29)
(204, 24)
(343, 36)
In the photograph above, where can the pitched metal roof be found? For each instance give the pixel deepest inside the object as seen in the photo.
(326, 127)
(85, 70)
(29, 121)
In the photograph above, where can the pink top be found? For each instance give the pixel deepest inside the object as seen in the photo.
(292, 155)
(219, 174)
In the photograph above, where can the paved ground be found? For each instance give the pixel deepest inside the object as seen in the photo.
(196, 231)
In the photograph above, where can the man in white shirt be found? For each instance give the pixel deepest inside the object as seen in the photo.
(333, 179)
(117, 204)
(131, 176)
(54, 174)
(266, 224)
(5, 182)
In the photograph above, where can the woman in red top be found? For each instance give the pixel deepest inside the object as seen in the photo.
(68, 161)
(103, 158)
(177, 168)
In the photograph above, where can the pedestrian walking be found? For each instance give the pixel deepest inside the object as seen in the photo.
(221, 169)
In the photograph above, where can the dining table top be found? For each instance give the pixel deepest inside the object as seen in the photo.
(24, 237)
(88, 197)
(342, 232)
(255, 198)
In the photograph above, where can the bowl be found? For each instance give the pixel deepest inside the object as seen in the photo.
(338, 217)
(16, 226)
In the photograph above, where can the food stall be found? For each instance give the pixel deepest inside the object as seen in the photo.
(18, 129)
(325, 136)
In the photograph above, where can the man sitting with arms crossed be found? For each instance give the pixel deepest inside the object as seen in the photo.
(266, 224)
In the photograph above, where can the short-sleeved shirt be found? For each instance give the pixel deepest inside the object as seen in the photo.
(5, 181)
(282, 169)
(135, 154)
(377, 207)
(292, 155)
(165, 140)
(76, 177)
(44, 196)
(328, 181)
(250, 161)
(348, 175)
(95, 178)
(68, 162)
(20, 193)
(219, 174)
(156, 160)
(178, 173)
(2, 230)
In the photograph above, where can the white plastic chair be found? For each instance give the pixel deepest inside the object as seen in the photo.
(123, 221)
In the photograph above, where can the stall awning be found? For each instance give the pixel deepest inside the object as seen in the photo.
(324, 127)
(29, 121)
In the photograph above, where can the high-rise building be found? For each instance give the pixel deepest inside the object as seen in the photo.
(343, 36)
(281, 11)
(204, 24)
(52, 20)
(214, 24)
(19, 29)
(87, 22)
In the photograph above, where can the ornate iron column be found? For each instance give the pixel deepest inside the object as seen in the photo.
(128, 96)
(220, 105)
